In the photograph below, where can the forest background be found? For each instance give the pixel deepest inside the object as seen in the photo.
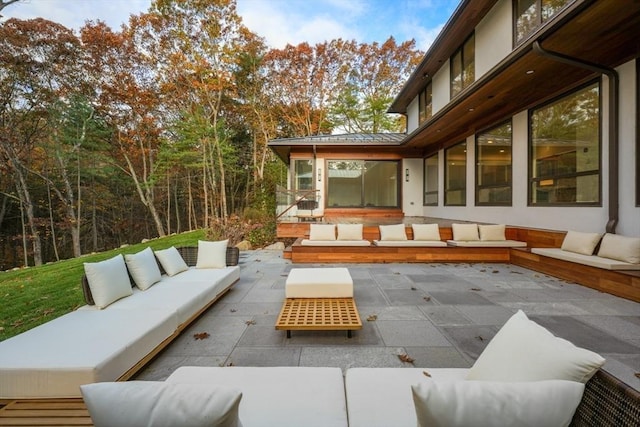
(111, 137)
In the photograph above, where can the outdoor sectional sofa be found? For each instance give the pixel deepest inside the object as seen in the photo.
(109, 340)
(525, 376)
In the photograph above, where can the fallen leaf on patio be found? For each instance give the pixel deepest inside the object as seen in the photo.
(516, 272)
(495, 271)
(233, 310)
(480, 338)
(637, 374)
(426, 374)
(483, 270)
(250, 322)
(405, 358)
(201, 335)
(372, 318)
(427, 298)
(476, 289)
(413, 288)
(230, 364)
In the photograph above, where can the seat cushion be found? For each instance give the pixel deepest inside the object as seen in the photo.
(350, 231)
(590, 260)
(426, 232)
(278, 396)
(468, 232)
(410, 243)
(488, 243)
(322, 232)
(620, 248)
(492, 232)
(393, 232)
(319, 283)
(580, 243)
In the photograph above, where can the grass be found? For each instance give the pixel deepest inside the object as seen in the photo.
(32, 296)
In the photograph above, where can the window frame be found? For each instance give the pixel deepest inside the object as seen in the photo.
(362, 205)
(477, 167)
(424, 181)
(539, 19)
(446, 176)
(461, 53)
(637, 132)
(425, 109)
(530, 179)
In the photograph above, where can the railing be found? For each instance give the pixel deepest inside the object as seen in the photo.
(290, 203)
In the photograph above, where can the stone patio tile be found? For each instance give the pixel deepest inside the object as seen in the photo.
(369, 295)
(368, 335)
(407, 312)
(264, 295)
(160, 368)
(595, 306)
(583, 335)
(224, 332)
(460, 298)
(624, 367)
(392, 281)
(262, 333)
(470, 340)
(546, 308)
(437, 357)
(352, 357)
(622, 306)
(264, 356)
(408, 297)
(411, 333)
(244, 309)
(486, 315)
(442, 315)
(533, 295)
(360, 273)
(623, 327)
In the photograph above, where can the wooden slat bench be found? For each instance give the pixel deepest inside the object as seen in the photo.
(45, 412)
(319, 314)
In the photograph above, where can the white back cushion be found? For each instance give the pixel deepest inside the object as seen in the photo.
(349, 231)
(393, 232)
(621, 248)
(322, 232)
(212, 254)
(143, 268)
(171, 261)
(484, 403)
(465, 232)
(426, 231)
(522, 350)
(108, 280)
(492, 232)
(159, 404)
(580, 243)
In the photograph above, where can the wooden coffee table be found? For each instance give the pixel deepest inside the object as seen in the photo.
(319, 310)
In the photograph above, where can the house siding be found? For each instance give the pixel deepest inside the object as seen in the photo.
(494, 37)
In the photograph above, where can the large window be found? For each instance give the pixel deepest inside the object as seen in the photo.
(303, 174)
(530, 14)
(565, 150)
(363, 184)
(425, 103)
(431, 181)
(463, 68)
(455, 175)
(493, 166)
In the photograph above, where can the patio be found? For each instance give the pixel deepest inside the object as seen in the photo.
(439, 315)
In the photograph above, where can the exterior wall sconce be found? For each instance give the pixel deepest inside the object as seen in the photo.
(406, 175)
(319, 174)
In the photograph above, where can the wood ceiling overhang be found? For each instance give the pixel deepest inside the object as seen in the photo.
(602, 32)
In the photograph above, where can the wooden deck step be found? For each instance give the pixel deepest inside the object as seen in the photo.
(45, 412)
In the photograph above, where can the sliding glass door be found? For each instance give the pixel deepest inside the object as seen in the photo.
(363, 184)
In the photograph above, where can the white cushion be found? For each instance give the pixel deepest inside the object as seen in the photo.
(393, 232)
(319, 283)
(151, 403)
(483, 403)
(322, 232)
(329, 243)
(143, 268)
(465, 232)
(426, 231)
(212, 254)
(171, 261)
(108, 280)
(492, 232)
(524, 351)
(410, 243)
(621, 248)
(349, 231)
(590, 260)
(488, 243)
(580, 243)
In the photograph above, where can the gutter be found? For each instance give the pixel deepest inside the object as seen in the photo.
(614, 85)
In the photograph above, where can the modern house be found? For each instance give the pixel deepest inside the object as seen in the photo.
(523, 112)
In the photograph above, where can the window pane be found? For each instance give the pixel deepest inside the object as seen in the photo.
(456, 175)
(456, 73)
(381, 184)
(493, 171)
(469, 64)
(303, 175)
(428, 97)
(551, 7)
(565, 150)
(431, 181)
(358, 184)
(527, 18)
(422, 113)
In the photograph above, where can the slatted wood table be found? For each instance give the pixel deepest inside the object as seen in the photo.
(45, 412)
(319, 299)
(319, 314)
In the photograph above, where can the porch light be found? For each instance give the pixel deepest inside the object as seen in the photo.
(406, 175)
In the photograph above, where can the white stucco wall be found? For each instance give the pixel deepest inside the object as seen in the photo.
(412, 189)
(494, 37)
(413, 113)
(441, 89)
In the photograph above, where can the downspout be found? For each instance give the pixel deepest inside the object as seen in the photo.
(614, 84)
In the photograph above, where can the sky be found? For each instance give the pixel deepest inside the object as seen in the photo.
(280, 22)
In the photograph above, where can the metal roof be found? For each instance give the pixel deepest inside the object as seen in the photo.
(347, 138)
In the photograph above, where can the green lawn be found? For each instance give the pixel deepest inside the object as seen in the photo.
(35, 295)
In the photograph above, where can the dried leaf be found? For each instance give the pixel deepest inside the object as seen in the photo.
(372, 318)
(201, 335)
(426, 374)
(230, 364)
(637, 374)
(483, 270)
(427, 298)
(476, 289)
(413, 288)
(495, 271)
(250, 322)
(405, 358)
(480, 338)
(233, 310)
